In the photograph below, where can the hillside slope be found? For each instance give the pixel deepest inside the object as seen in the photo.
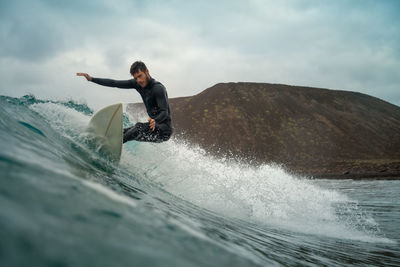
(319, 132)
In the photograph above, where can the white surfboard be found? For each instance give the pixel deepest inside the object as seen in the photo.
(107, 125)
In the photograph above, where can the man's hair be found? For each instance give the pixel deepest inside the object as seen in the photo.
(137, 66)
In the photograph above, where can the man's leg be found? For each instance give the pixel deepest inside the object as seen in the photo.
(143, 133)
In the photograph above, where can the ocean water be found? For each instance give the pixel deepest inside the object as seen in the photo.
(172, 204)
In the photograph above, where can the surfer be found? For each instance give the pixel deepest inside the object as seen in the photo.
(155, 98)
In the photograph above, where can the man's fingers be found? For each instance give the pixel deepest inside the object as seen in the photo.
(87, 76)
(152, 124)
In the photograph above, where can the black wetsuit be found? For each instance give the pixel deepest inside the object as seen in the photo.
(155, 98)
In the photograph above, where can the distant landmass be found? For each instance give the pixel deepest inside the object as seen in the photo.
(311, 131)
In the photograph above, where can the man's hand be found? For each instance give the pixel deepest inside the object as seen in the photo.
(152, 123)
(87, 76)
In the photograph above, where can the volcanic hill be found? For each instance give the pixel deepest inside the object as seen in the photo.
(311, 131)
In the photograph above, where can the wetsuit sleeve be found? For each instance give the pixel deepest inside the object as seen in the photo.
(126, 84)
(162, 102)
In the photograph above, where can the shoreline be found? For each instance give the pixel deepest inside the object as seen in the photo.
(358, 177)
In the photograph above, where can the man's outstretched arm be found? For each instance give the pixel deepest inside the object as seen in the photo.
(126, 84)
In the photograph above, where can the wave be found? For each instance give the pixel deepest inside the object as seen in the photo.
(50, 134)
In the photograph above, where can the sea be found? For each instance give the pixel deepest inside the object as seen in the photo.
(173, 204)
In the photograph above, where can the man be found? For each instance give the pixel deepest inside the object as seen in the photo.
(155, 98)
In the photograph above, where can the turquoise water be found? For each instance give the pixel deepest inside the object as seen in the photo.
(171, 204)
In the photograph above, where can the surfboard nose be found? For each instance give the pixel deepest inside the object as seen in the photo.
(108, 124)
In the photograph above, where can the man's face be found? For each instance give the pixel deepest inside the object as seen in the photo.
(142, 78)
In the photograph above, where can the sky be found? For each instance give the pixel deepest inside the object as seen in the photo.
(191, 45)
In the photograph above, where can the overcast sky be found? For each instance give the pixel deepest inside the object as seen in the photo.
(192, 45)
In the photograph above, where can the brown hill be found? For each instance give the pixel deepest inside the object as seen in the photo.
(318, 132)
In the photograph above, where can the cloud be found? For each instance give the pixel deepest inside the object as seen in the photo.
(190, 46)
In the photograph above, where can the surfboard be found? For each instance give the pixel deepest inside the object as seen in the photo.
(107, 126)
